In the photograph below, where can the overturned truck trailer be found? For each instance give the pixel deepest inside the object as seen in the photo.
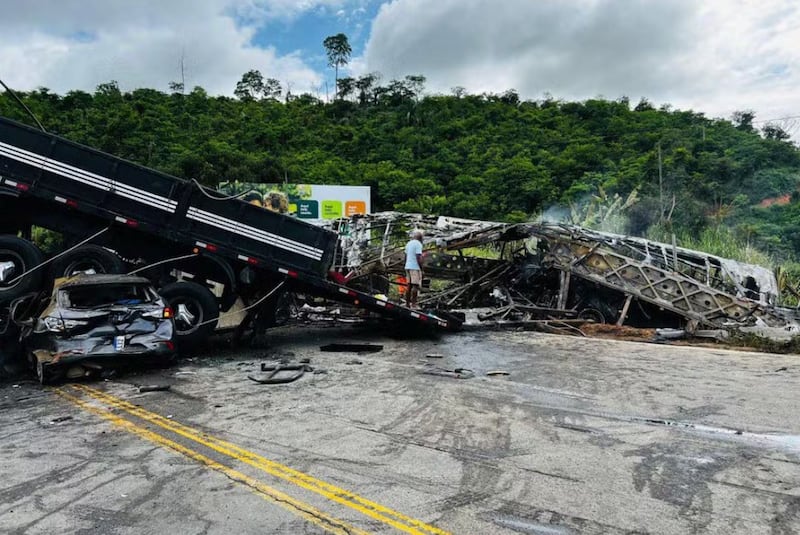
(554, 269)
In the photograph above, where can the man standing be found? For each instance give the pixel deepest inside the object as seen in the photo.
(413, 268)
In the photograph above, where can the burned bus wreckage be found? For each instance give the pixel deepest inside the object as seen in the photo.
(538, 271)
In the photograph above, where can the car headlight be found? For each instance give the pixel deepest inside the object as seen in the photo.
(58, 325)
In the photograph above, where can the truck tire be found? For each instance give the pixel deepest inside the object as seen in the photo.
(87, 258)
(20, 256)
(195, 310)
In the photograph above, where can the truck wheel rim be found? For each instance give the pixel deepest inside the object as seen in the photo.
(9, 273)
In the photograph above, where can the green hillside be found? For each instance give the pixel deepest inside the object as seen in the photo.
(477, 156)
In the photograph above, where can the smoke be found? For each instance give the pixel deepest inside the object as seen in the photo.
(555, 214)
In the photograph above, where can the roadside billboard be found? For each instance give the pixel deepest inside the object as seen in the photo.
(306, 201)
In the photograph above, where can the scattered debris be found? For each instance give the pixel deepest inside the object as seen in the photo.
(354, 361)
(274, 377)
(458, 373)
(60, 419)
(153, 388)
(782, 369)
(351, 348)
(493, 373)
(434, 356)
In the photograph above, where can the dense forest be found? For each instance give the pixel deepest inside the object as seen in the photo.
(490, 156)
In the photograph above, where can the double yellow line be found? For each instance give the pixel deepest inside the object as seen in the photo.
(331, 492)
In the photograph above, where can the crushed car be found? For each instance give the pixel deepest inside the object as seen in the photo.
(94, 322)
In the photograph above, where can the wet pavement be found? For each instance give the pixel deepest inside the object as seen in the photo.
(582, 436)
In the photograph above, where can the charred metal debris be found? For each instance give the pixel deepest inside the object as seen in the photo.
(562, 276)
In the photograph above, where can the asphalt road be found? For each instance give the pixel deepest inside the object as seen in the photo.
(583, 436)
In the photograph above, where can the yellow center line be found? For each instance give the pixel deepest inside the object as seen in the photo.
(306, 511)
(328, 490)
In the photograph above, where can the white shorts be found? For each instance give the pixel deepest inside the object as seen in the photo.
(414, 277)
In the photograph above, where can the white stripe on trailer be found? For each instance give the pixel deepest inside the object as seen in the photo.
(344, 291)
(264, 237)
(381, 303)
(257, 234)
(82, 175)
(414, 315)
(105, 184)
(62, 200)
(121, 220)
(100, 182)
(284, 271)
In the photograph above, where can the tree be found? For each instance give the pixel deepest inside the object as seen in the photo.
(338, 50)
(345, 87)
(510, 96)
(773, 131)
(272, 89)
(250, 86)
(176, 87)
(364, 85)
(458, 91)
(415, 83)
(644, 105)
(744, 119)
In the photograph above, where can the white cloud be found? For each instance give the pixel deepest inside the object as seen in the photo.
(71, 44)
(715, 56)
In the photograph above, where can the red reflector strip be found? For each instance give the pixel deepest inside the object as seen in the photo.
(68, 202)
(423, 317)
(248, 259)
(351, 293)
(389, 305)
(22, 187)
(129, 222)
(206, 246)
(292, 274)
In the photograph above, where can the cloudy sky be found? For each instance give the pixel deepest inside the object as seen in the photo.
(714, 56)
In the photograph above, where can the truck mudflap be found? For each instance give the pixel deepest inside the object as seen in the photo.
(372, 303)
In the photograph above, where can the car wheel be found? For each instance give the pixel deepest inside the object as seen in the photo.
(16, 257)
(195, 311)
(87, 259)
(43, 373)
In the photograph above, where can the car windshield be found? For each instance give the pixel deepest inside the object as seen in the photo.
(106, 295)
